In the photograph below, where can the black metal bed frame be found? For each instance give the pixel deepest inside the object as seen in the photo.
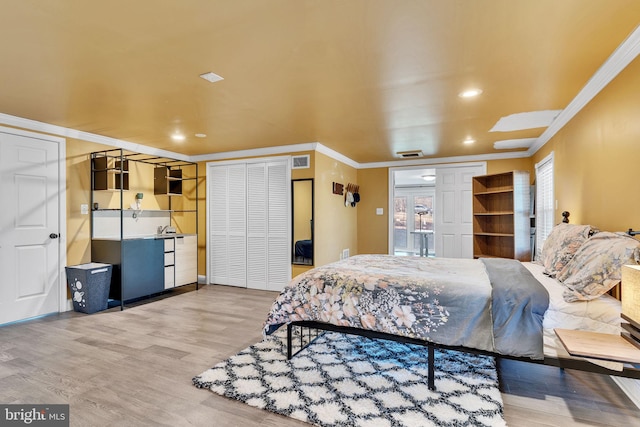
(629, 370)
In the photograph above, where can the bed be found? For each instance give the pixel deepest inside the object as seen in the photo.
(498, 307)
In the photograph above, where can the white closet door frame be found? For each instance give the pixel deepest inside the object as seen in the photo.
(272, 262)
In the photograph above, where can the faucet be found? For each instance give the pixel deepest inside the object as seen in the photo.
(162, 229)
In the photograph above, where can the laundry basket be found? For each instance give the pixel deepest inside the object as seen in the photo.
(89, 285)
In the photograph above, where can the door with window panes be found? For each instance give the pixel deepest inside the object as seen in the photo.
(413, 211)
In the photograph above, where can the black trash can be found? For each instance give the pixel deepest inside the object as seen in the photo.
(89, 285)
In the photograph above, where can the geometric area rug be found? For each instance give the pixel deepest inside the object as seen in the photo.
(348, 380)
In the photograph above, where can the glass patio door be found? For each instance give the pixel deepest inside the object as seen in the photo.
(412, 219)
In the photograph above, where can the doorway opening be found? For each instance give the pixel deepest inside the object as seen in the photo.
(430, 211)
(413, 220)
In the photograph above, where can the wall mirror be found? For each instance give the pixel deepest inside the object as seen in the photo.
(302, 221)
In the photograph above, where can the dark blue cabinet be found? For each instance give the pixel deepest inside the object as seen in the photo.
(138, 266)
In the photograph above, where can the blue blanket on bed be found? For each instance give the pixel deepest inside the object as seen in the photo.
(518, 304)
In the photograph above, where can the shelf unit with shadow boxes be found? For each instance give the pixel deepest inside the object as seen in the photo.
(110, 172)
(167, 180)
(501, 216)
(150, 239)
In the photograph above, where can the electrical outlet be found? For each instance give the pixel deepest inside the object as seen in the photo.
(379, 211)
(345, 254)
(84, 209)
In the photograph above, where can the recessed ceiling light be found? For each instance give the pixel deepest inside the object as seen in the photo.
(200, 135)
(211, 77)
(470, 93)
(177, 137)
(469, 141)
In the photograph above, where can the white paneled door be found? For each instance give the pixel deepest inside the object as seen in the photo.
(454, 214)
(29, 227)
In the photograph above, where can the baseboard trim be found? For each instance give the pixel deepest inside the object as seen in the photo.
(630, 387)
(202, 280)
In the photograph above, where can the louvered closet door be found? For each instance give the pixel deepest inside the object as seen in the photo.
(228, 225)
(279, 225)
(268, 207)
(257, 253)
(217, 210)
(249, 222)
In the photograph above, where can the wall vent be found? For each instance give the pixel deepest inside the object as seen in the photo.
(300, 162)
(410, 154)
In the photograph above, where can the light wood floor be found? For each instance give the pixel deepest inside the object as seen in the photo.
(134, 368)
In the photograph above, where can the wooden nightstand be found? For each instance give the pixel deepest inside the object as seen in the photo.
(598, 346)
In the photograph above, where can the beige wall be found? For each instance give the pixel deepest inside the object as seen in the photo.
(78, 164)
(335, 224)
(499, 166)
(373, 235)
(597, 158)
(373, 230)
(78, 192)
(337, 227)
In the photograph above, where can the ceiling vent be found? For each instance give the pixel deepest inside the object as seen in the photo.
(211, 77)
(300, 162)
(410, 154)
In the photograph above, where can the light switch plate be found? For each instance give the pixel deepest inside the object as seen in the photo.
(379, 211)
(84, 209)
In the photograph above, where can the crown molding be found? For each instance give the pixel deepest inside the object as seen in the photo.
(42, 127)
(32, 135)
(618, 61)
(47, 128)
(440, 160)
(254, 152)
(281, 149)
(337, 156)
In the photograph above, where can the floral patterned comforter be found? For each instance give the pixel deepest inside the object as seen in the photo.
(443, 300)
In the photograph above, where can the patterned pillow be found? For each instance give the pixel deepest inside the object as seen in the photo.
(560, 246)
(597, 265)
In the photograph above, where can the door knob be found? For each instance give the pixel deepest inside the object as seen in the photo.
(53, 236)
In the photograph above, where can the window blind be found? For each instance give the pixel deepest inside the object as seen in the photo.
(544, 201)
